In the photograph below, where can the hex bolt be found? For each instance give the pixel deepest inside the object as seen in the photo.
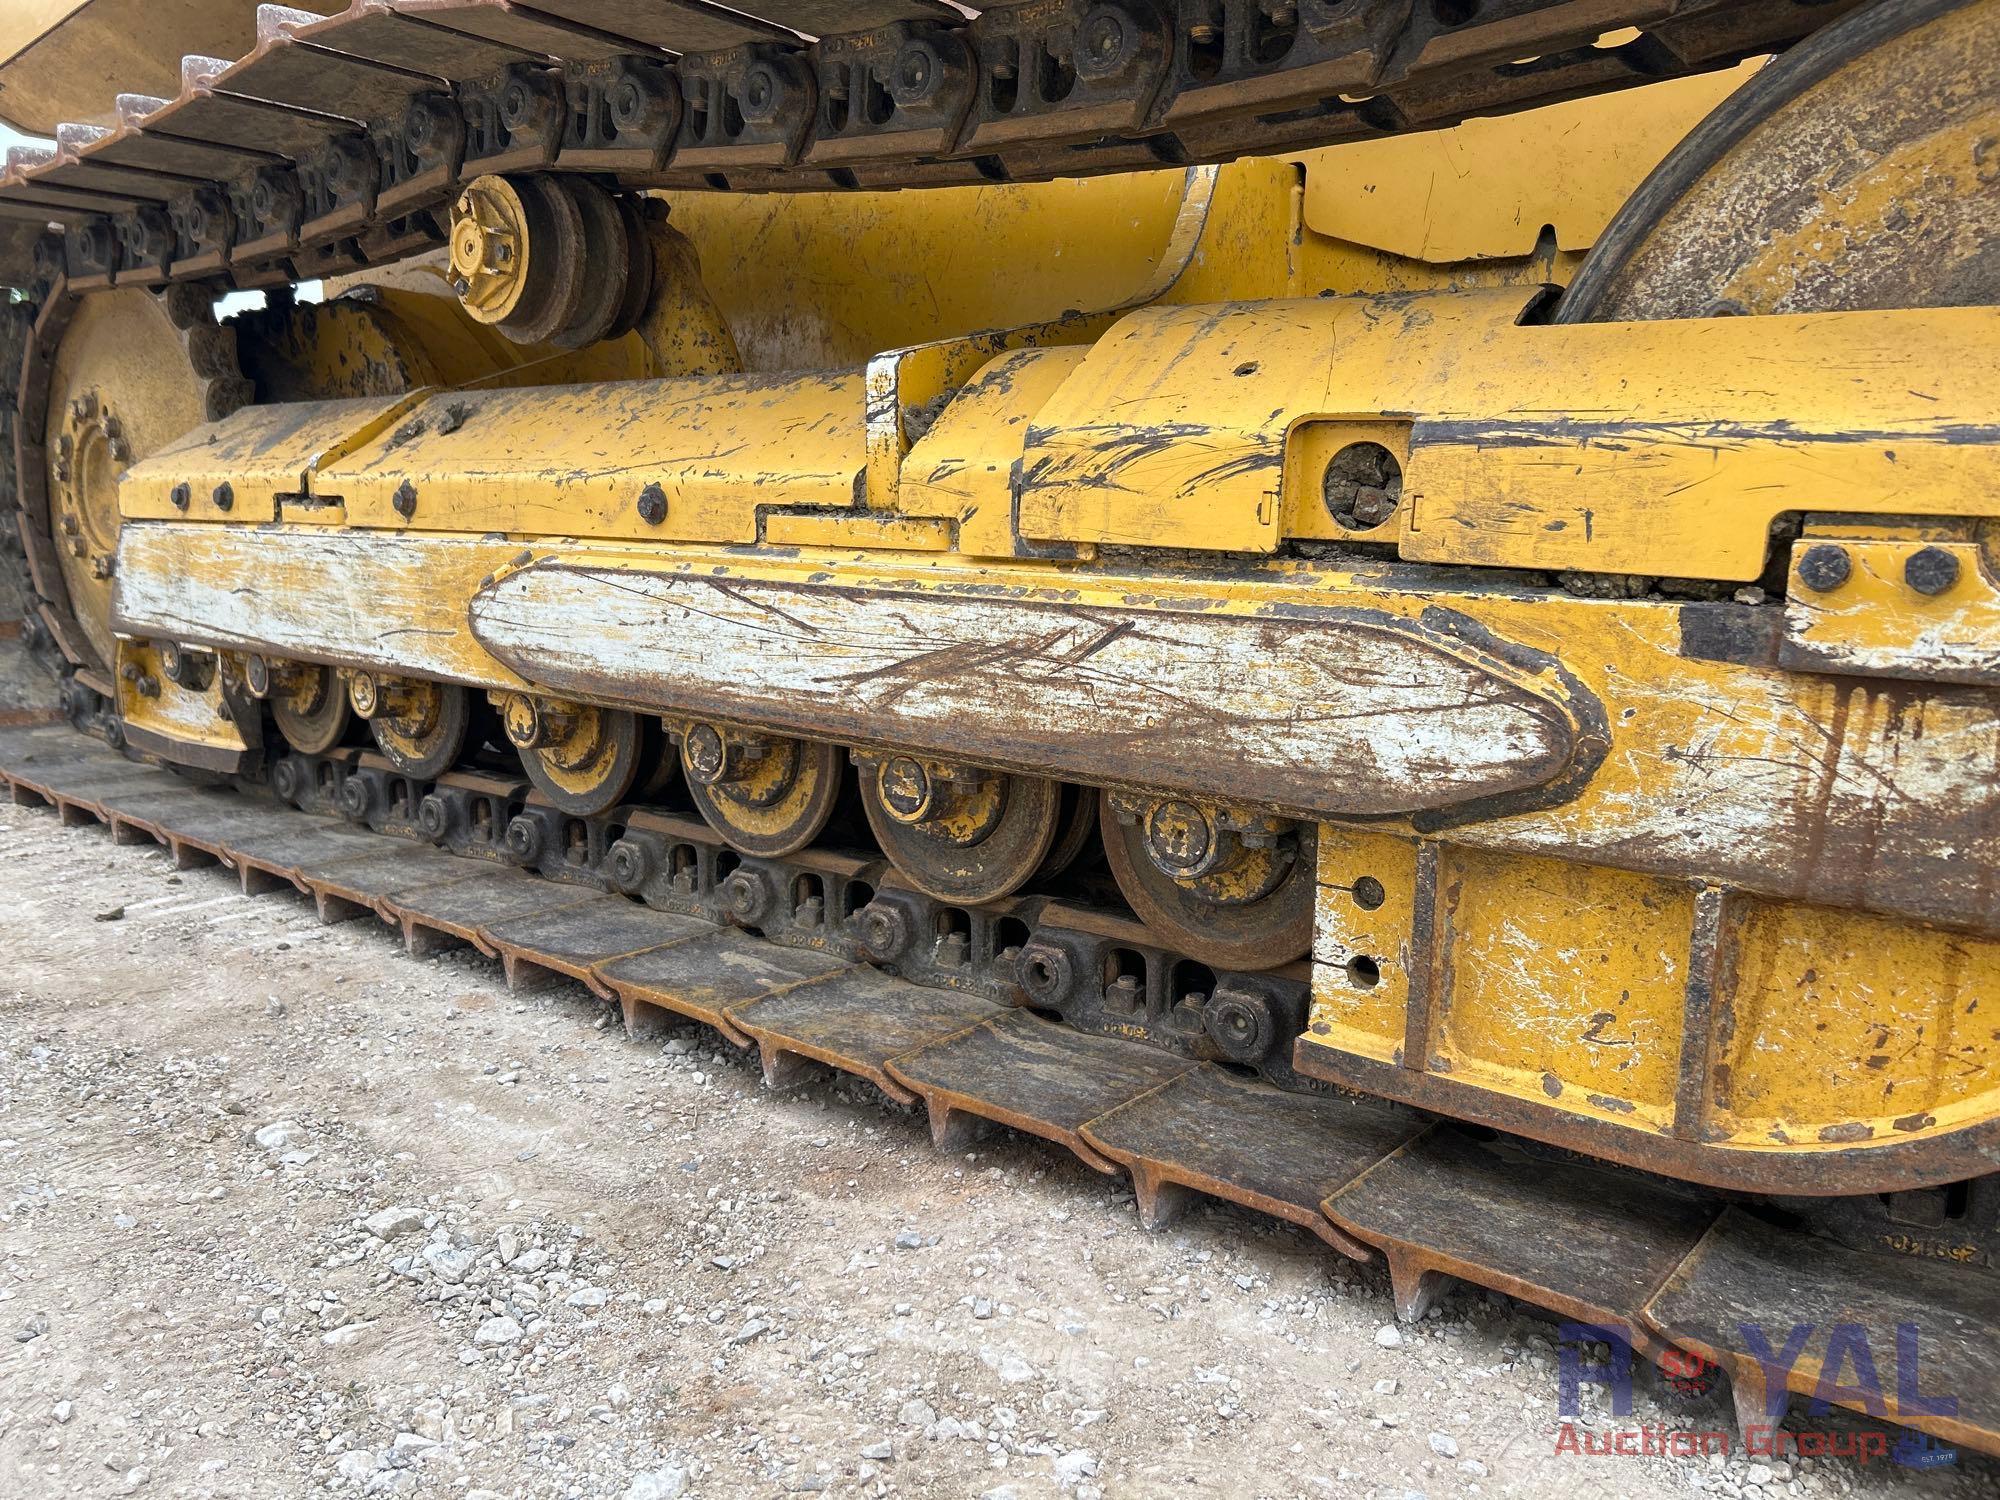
(224, 496)
(630, 865)
(405, 500)
(434, 818)
(524, 840)
(1045, 974)
(180, 496)
(355, 798)
(1930, 570)
(884, 930)
(747, 896)
(1825, 567)
(148, 686)
(652, 505)
(285, 780)
(1124, 994)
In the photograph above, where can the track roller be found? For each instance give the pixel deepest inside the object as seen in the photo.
(584, 759)
(1229, 887)
(549, 259)
(765, 794)
(957, 832)
(307, 702)
(419, 726)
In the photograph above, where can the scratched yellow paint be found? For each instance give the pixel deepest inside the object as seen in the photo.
(1361, 951)
(197, 718)
(1562, 983)
(1874, 621)
(1844, 1026)
(963, 468)
(1406, 194)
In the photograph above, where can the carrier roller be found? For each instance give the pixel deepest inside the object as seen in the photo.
(335, 143)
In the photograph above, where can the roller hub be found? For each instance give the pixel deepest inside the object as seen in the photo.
(1228, 886)
(765, 794)
(960, 833)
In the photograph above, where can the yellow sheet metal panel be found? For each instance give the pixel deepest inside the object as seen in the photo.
(1172, 432)
(963, 468)
(1365, 912)
(813, 281)
(1921, 609)
(235, 470)
(1486, 188)
(1562, 982)
(148, 701)
(669, 460)
(862, 529)
(1840, 1027)
(1647, 448)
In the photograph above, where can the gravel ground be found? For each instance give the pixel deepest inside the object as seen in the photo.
(283, 1211)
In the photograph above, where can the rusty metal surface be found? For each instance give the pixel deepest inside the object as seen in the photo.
(1216, 1132)
(1585, 1241)
(859, 1020)
(1033, 1075)
(1589, 1241)
(706, 978)
(1837, 1304)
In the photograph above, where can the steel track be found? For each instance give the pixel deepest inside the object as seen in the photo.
(1667, 1266)
(335, 143)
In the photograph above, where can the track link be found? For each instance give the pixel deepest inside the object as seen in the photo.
(332, 145)
(1666, 1266)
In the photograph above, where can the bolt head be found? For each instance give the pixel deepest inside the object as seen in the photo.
(747, 895)
(354, 798)
(883, 930)
(1824, 567)
(224, 495)
(524, 840)
(181, 496)
(433, 817)
(405, 500)
(652, 505)
(630, 865)
(907, 790)
(1930, 570)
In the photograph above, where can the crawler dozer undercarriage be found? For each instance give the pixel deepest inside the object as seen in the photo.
(1385, 613)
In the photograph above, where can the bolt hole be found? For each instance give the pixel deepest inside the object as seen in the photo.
(1363, 972)
(1248, 367)
(1368, 893)
(1362, 486)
